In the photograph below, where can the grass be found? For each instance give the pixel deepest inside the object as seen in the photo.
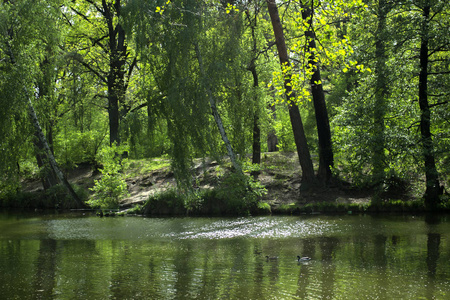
(138, 167)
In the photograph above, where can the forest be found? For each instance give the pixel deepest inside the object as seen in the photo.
(357, 89)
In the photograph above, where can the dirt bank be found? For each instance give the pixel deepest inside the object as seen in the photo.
(280, 173)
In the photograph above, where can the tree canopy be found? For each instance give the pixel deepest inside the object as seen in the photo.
(359, 88)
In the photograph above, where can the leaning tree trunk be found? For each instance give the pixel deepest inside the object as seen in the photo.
(216, 114)
(41, 137)
(48, 177)
(294, 113)
(432, 177)
(323, 124)
(54, 165)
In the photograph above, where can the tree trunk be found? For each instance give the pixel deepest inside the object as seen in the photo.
(256, 147)
(432, 177)
(216, 114)
(320, 108)
(44, 84)
(272, 142)
(55, 168)
(272, 139)
(48, 177)
(381, 93)
(41, 138)
(294, 113)
(116, 72)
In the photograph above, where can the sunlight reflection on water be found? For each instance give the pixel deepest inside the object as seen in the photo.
(353, 257)
(259, 228)
(134, 228)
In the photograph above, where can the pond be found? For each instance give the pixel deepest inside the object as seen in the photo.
(76, 256)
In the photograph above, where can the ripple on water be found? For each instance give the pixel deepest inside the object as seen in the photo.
(261, 227)
(133, 228)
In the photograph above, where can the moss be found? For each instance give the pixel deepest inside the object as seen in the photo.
(332, 207)
(287, 209)
(397, 206)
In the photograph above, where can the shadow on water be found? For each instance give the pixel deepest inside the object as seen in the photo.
(353, 257)
(433, 247)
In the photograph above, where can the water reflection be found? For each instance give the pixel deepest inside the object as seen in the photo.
(356, 257)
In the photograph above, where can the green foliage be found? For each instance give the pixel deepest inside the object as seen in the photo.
(165, 109)
(77, 147)
(57, 197)
(137, 167)
(111, 188)
(135, 210)
(239, 192)
(332, 207)
(169, 202)
(235, 195)
(264, 207)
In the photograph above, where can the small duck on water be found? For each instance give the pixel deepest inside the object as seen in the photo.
(305, 258)
(271, 257)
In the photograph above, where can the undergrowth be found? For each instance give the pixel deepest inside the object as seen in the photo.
(236, 194)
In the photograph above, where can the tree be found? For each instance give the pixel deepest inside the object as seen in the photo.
(381, 95)
(433, 189)
(19, 60)
(105, 52)
(294, 113)
(323, 124)
(256, 146)
(215, 112)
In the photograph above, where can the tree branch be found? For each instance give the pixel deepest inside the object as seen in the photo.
(130, 71)
(437, 104)
(81, 15)
(78, 58)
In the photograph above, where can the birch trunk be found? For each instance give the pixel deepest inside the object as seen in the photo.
(215, 113)
(41, 137)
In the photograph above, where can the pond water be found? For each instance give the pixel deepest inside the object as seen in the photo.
(75, 256)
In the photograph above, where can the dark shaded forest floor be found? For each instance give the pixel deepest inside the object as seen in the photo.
(280, 173)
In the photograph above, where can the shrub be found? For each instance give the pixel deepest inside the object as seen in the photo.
(169, 202)
(57, 197)
(111, 188)
(239, 192)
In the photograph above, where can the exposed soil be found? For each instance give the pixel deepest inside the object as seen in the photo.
(280, 173)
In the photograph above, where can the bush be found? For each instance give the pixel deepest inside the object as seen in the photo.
(236, 195)
(239, 193)
(169, 202)
(111, 188)
(57, 197)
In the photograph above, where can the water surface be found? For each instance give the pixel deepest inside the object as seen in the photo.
(353, 257)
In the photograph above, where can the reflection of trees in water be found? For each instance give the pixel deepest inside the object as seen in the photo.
(328, 247)
(381, 263)
(433, 243)
(44, 279)
(380, 260)
(308, 249)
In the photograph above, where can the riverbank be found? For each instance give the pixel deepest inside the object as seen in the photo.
(279, 173)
